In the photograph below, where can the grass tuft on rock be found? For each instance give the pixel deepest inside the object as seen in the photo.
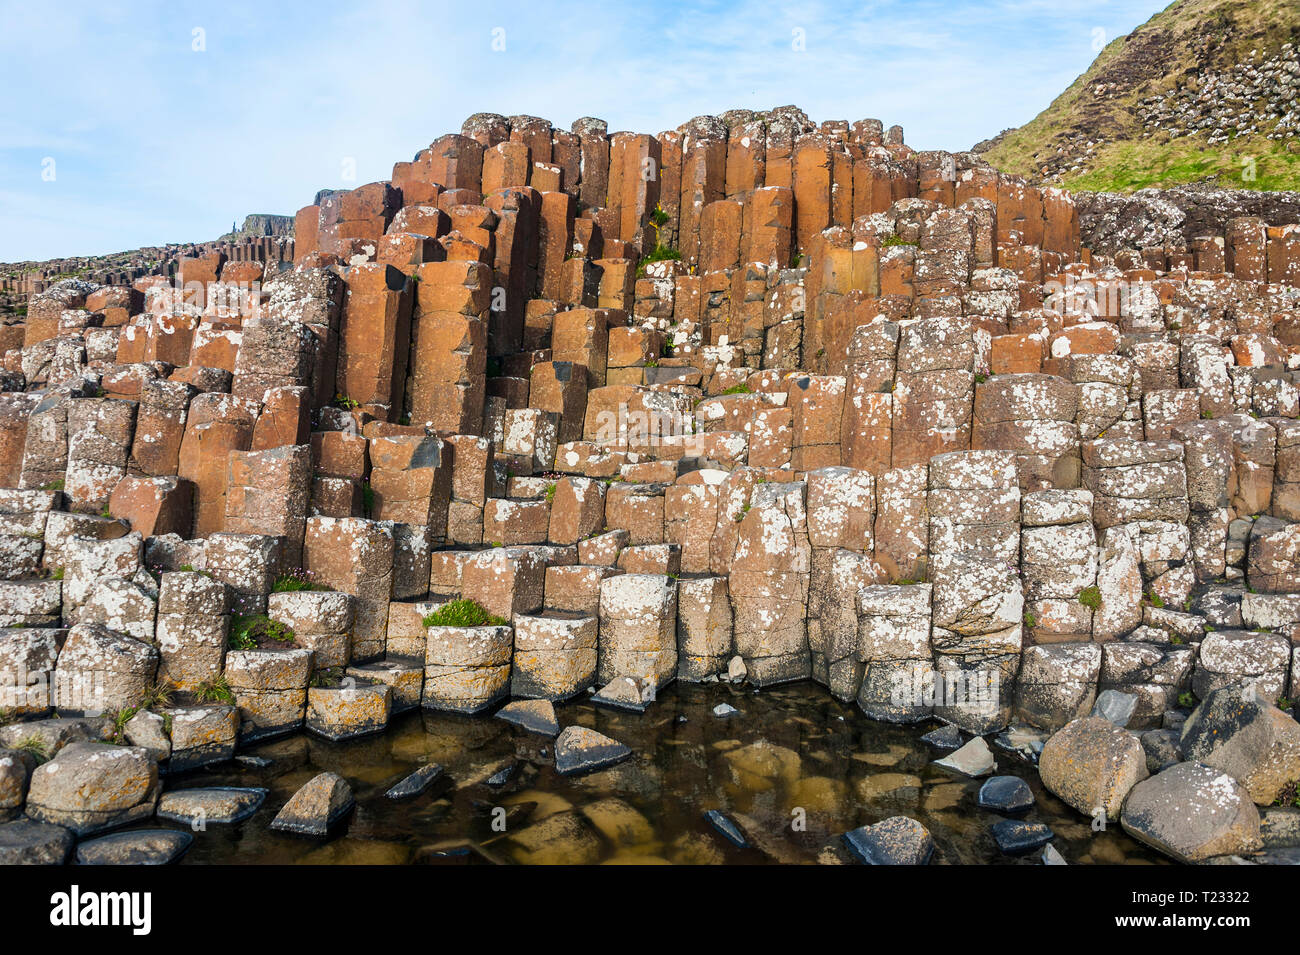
(35, 747)
(214, 690)
(297, 580)
(1090, 597)
(462, 613)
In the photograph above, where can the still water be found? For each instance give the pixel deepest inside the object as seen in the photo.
(794, 768)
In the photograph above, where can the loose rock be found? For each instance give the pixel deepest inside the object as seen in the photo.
(138, 847)
(1192, 813)
(218, 804)
(317, 807)
(582, 750)
(898, 840)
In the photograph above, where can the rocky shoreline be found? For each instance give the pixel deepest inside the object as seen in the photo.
(524, 428)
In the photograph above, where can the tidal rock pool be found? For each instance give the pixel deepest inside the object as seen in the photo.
(793, 769)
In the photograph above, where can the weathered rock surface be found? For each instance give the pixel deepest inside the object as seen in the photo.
(89, 787)
(1252, 741)
(536, 716)
(1192, 813)
(137, 847)
(952, 445)
(218, 804)
(27, 842)
(581, 750)
(897, 840)
(317, 807)
(1092, 764)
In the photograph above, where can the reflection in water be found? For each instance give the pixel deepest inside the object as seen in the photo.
(794, 768)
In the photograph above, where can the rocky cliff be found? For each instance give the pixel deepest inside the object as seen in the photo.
(1204, 90)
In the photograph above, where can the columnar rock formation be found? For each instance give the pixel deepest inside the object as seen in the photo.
(752, 395)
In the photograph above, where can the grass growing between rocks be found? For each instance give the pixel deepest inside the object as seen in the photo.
(1090, 597)
(35, 747)
(297, 580)
(462, 613)
(155, 697)
(1289, 796)
(661, 252)
(328, 678)
(214, 690)
(257, 631)
(894, 240)
(120, 719)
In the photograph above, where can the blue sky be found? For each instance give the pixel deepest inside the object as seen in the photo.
(153, 141)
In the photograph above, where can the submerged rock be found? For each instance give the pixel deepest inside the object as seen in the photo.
(535, 716)
(581, 750)
(317, 807)
(219, 804)
(1009, 794)
(724, 825)
(1052, 857)
(1192, 812)
(973, 759)
(561, 839)
(1017, 838)
(945, 737)
(630, 693)
(898, 840)
(416, 783)
(138, 847)
(619, 822)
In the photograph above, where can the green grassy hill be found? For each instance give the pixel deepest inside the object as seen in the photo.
(1222, 62)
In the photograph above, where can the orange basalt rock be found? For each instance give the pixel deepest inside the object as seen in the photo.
(153, 505)
(374, 337)
(449, 350)
(216, 425)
